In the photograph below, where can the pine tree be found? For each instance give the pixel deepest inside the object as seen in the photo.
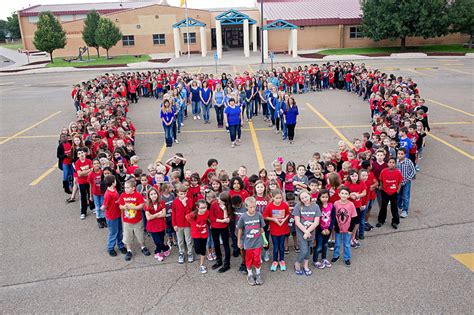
(49, 34)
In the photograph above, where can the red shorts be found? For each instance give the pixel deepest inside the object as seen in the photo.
(252, 257)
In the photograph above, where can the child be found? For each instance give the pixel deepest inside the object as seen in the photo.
(143, 189)
(168, 197)
(300, 181)
(278, 212)
(238, 209)
(83, 166)
(344, 225)
(290, 173)
(211, 167)
(371, 183)
(237, 188)
(131, 204)
(323, 232)
(261, 197)
(313, 189)
(251, 237)
(155, 212)
(358, 191)
(306, 216)
(180, 208)
(199, 231)
(112, 213)
(220, 217)
(94, 179)
(290, 200)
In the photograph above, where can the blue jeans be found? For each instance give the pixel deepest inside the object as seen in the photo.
(180, 118)
(233, 237)
(346, 243)
(168, 135)
(68, 172)
(362, 221)
(115, 234)
(233, 130)
(278, 247)
(250, 109)
(219, 114)
(348, 86)
(206, 110)
(196, 108)
(403, 201)
(284, 129)
(321, 245)
(210, 241)
(98, 202)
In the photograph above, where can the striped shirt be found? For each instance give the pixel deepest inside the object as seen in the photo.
(408, 170)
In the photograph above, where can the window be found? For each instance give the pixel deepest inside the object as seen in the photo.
(128, 40)
(33, 19)
(355, 32)
(159, 39)
(192, 38)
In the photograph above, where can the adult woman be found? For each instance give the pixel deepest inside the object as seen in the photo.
(233, 121)
(218, 100)
(291, 113)
(205, 96)
(195, 99)
(167, 118)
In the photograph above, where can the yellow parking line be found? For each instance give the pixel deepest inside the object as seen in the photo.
(43, 176)
(256, 145)
(451, 146)
(450, 107)
(199, 70)
(417, 72)
(330, 125)
(235, 69)
(459, 71)
(467, 259)
(161, 154)
(251, 69)
(29, 128)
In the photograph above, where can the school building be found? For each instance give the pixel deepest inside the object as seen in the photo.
(155, 27)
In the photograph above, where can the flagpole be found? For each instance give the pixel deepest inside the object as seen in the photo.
(187, 27)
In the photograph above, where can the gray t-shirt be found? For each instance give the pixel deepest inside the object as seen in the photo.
(303, 180)
(251, 225)
(307, 215)
(168, 200)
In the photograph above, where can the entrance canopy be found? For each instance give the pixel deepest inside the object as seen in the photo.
(292, 36)
(280, 25)
(190, 21)
(233, 17)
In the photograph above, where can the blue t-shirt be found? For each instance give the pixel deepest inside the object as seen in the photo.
(206, 94)
(219, 96)
(195, 94)
(290, 115)
(233, 115)
(167, 116)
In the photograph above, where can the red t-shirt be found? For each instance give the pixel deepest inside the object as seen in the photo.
(278, 212)
(354, 164)
(131, 169)
(82, 166)
(334, 195)
(157, 224)
(356, 188)
(135, 199)
(344, 213)
(199, 225)
(242, 193)
(391, 180)
(112, 210)
(371, 195)
(67, 151)
(215, 213)
(179, 212)
(94, 180)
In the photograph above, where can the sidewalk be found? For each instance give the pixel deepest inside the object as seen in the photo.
(229, 58)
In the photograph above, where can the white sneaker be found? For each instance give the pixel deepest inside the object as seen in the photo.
(203, 269)
(195, 117)
(404, 214)
(176, 140)
(83, 216)
(266, 256)
(199, 117)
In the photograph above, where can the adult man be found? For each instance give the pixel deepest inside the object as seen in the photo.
(408, 172)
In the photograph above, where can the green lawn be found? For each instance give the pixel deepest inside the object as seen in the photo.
(115, 60)
(13, 46)
(456, 48)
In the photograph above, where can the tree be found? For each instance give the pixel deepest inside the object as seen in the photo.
(13, 26)
(3, 30)
(107, 34)
(90, 27)
(49, 34)
(399, 19)
(462, 18)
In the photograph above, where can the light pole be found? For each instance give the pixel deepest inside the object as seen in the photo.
(261, 30)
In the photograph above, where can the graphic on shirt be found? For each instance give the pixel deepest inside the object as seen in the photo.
(131, 214)
(343, 216)
(278, 213)
(325, 219)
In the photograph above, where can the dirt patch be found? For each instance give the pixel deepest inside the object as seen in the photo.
(312, 56)
(446, 54)
(468, 140)
(163, 60)
(102, 66)
(455, 136)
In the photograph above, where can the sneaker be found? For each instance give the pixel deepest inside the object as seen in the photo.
(167, 253)
(242, 268)
(224, 269)
(145, 251)
(287, 251)
(297, 249)
(326, 263)
(356, 244)
(417, 168)
(282, 265)
(274, 266)
(202, 269)
(83, 216)
(334, 259)
(404, 214)
(199, 117)
(232, 145)
(190, 258)
(159, 257)
(176, 141)
(128, 256)
(347, 262)
(195, 117)
(236, 253)
(214, 257)
(379, 224)
(123, 250)
(112, 253)
(266, 256)
(209, 257)
(251, 280)
(319, 265)
(258, 279)
(395, 226)
(217, 265)
(361, 237)
(181, 258)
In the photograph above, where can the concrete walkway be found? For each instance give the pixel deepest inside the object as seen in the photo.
(20, 60)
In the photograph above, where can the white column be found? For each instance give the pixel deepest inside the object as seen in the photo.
(265, 44)
(219, 39)
(246, 38)
(177, 42)
(202, 30)
(295, 42)
(254, 37)
(290, 39)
